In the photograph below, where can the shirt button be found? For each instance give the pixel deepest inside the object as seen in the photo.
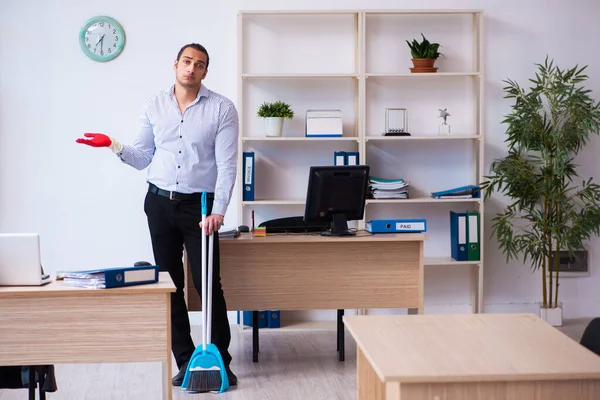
(181, 120)
(180, 137)
(179, 166)
(179, 151)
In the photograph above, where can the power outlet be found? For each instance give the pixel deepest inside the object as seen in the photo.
(578, 263)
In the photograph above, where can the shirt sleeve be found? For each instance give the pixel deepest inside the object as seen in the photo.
(139, 153)
(226, 151)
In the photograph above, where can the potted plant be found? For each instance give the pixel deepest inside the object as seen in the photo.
(274, 114)
(551, 209)
(424, 55)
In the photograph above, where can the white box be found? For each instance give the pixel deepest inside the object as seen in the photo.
(323, 123)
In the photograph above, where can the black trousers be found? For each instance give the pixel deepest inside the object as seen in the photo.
(173, 223)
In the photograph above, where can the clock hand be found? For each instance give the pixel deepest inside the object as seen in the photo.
(99, 42)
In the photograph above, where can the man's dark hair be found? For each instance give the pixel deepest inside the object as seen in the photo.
(194, 46)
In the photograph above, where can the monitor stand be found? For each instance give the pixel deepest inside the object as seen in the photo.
(339, 226)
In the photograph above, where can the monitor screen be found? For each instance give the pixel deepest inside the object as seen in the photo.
(336, 194)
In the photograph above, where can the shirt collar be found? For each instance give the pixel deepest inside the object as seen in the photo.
(203, 92)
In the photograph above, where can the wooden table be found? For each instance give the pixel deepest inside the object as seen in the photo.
(57, 324)
(467, 357)
(313, 272)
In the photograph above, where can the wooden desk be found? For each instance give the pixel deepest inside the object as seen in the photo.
(468, 357)
(57, 324)
(312, 272)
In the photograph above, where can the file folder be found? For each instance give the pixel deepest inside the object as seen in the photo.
(106, 278)
(339, 158)
(473, 252)
(248, 166)
(247, 318)
(273, 320)
(458, 236)
(351, 158)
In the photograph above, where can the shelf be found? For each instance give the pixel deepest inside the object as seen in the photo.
(299, 139)
(274, 202)
(424, 137)
(425, 11)
(418, 200)
(447, 261)
(421, 200)
(296, 76)
(420, 75)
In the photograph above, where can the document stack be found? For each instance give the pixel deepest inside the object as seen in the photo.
(388, 188)
(462, 192)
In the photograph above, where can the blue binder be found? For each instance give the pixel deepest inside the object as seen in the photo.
(458, 236)
(115, 277)
(352, 158)
(273, 320)
(339, 158)
(248, 166)
(247, 318)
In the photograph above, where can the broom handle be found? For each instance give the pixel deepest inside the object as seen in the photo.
(209, 288)
(204, 308)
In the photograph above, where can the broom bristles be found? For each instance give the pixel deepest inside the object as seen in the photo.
(205, 381)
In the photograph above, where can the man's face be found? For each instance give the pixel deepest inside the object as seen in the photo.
(190, 69)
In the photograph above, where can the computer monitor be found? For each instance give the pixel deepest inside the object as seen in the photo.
(336, 194)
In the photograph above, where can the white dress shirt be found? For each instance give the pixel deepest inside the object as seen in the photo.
(191, 152)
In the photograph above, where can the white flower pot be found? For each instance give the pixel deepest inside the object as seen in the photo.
(553, 316)
(273, 126)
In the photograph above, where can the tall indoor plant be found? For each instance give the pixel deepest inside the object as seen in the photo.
(551, 208)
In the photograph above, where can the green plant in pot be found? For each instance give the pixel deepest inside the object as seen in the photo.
(274, 114)
(551, 209)
(424, 55)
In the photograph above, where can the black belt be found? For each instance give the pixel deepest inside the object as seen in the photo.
(152, 188)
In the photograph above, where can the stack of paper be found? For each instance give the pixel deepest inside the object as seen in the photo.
(225, 233)
(388, 188)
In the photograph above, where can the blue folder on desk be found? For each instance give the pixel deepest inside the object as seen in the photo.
(105, 278)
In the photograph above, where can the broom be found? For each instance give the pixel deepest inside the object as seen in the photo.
(206, 369)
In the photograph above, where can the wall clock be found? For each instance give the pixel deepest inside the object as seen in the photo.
(102, 38)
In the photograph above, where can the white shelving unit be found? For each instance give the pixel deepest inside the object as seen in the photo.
(358, 61)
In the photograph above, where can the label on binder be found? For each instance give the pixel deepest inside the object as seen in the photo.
(396, 225)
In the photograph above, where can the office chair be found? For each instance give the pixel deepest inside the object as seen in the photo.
(591, 336)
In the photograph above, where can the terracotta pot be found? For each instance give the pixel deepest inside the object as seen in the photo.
(423, 62)
(423, 65)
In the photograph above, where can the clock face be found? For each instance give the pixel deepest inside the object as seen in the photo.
(102, 38)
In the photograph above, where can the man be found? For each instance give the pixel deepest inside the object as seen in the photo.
(188, 139)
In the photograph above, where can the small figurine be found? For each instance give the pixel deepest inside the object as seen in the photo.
(444, 114)
(444, 127)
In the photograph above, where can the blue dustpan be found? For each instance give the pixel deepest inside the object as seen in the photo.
(206, 370)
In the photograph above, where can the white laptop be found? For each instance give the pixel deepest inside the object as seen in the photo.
(20, 261)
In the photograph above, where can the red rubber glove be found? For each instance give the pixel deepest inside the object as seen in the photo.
(96, 140)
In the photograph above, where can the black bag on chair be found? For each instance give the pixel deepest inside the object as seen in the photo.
(591, 336)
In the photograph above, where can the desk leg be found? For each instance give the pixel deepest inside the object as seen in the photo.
(166, 378)
(340, 335)
(41, 383)
(167, 372)
(369, 386)
(255, 336)
(32, 384)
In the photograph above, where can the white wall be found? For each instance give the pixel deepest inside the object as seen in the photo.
(87, 206)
